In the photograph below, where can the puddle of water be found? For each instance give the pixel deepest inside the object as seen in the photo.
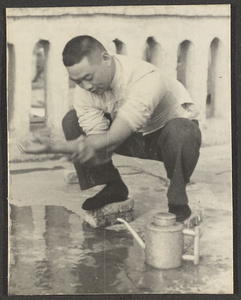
(52, 251)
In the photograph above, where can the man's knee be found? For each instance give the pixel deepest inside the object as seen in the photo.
(69, 119)
(70, 126)
(182, 130)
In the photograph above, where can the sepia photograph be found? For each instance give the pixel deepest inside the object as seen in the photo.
(119, 150)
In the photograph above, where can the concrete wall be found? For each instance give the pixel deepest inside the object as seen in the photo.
(180, 39)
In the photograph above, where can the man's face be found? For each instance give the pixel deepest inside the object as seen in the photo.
(93, 77)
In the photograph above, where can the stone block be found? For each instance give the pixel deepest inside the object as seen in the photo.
(194, 220)
(114, 208)
(108, 214)
(70, 176)
(108, 220)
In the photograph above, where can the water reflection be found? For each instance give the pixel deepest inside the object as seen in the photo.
(53, 252)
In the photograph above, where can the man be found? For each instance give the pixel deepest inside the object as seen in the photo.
(129, 107)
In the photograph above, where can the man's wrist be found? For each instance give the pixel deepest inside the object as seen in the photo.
(66, 147)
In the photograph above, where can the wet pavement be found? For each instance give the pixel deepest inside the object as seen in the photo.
(53, 251)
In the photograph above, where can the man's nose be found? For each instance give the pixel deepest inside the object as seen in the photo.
(87, 85)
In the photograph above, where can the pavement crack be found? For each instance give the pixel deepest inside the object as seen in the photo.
(23, 171)
(140, 170)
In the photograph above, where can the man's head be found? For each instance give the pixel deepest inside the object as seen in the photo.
(88, 64)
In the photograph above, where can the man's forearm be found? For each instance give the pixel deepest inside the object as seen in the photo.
(65, 147)
(114, 137)
(95, 150)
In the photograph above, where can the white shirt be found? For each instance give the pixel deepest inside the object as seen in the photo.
(139, 94)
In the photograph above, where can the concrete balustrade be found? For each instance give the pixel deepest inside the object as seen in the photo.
(22, 90)
(158, 35)
(57, 103)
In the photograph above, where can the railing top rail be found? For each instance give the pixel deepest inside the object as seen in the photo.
(218, 10)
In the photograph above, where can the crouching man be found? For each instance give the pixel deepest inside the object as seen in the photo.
(129, 107)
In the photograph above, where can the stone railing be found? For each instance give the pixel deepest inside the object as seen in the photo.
(191, 43)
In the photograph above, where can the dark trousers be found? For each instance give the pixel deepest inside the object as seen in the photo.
(177, 145)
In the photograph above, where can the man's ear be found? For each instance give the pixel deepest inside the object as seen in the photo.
(106, 58)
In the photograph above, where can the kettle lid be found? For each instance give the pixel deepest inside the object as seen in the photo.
(164, 219)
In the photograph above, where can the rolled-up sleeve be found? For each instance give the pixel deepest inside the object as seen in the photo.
(90, 116)
(142, 98)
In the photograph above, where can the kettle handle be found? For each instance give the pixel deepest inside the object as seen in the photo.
(196, 234)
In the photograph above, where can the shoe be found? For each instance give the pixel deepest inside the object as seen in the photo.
(182, 212)
(115, 191)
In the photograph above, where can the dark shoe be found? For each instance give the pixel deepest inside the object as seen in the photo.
(115, 191)
(182, 212)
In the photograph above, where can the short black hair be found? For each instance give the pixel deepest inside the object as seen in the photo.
(82, 46)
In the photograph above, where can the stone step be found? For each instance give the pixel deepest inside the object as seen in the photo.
(108, 214)
(113, 208)
(108, 220)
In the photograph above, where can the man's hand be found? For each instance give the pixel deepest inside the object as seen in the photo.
(88, 155)
(95, 150)
(36, 145)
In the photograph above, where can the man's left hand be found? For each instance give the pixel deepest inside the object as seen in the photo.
(88, 154)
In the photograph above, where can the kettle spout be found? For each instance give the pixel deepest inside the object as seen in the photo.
(134, 234)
